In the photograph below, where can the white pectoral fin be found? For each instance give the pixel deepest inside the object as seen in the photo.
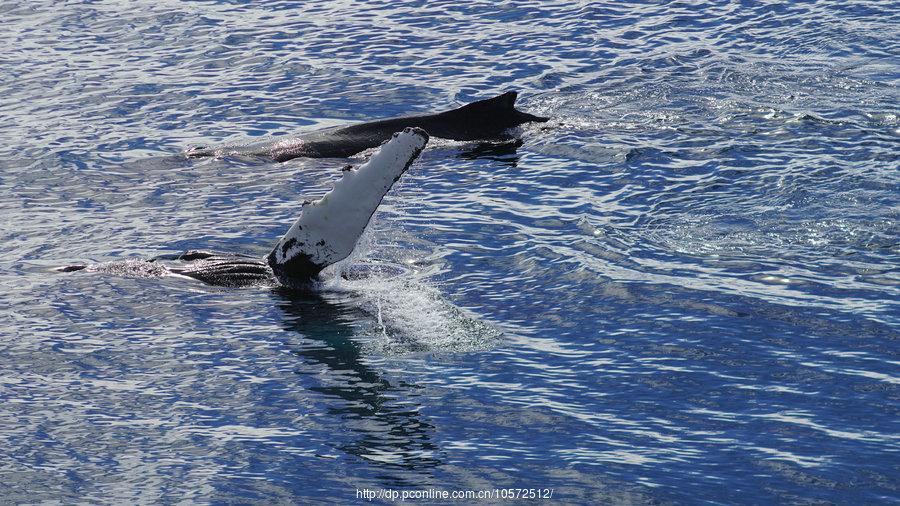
(328, 228)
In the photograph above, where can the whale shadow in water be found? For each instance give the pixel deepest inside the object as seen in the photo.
(381, 415)
(503, 152)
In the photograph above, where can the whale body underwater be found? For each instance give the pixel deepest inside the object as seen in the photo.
(325, 233)
(487, 119)
(329, 228)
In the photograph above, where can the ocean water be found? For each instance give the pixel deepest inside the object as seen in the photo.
(682, 289)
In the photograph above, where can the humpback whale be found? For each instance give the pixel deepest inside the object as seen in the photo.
(482, 120)
(326, 231)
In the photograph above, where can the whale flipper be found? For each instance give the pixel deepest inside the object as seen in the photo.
(329, 228)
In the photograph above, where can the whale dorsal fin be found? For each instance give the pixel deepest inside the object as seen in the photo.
(499, 109)
(328, 228)
(504, 103)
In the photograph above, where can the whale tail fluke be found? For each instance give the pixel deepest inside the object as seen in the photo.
(329, 228)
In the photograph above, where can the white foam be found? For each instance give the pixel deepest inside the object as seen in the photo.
(410, 315)
(409, 311)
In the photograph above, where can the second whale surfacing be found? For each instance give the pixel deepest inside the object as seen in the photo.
(482, 120)
(325, 233)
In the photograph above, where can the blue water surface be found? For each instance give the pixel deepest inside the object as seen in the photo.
(682, 289)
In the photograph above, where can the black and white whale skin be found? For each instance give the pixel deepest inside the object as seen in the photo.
(325, 233)
(483, 120)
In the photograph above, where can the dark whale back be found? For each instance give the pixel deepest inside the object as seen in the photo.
(482, 120)
(485, 119)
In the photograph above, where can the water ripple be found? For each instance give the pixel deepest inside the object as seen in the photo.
(683, 286)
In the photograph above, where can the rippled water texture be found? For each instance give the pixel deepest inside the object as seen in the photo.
(682, 288)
